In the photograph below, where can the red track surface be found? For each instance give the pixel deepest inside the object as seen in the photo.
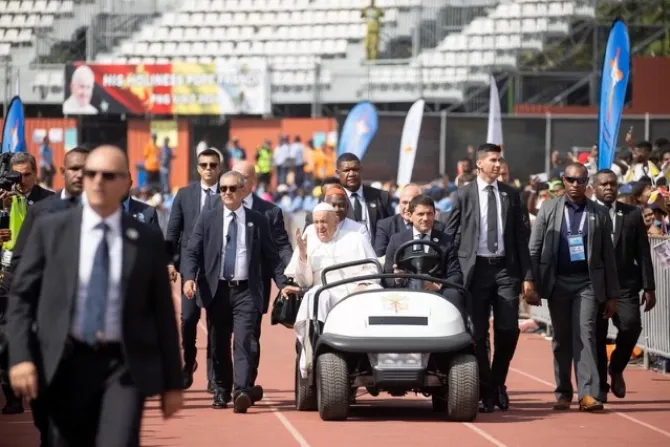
(643, 418)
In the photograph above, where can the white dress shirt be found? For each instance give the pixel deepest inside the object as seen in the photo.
(203, 194)
(482, 248)
(417, 235)
(612, 213)
(364, 209)
(89, 241)
(241, 260)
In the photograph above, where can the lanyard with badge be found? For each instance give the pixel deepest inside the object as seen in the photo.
(576, 242)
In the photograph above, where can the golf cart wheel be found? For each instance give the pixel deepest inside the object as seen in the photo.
(439, 399)
(305, 395)
(332, 385)
(463, 395)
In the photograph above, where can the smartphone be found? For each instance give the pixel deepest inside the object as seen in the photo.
(4, 220)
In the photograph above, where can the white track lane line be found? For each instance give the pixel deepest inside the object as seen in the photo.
(299, 438)
(621, 415)
(484, 434)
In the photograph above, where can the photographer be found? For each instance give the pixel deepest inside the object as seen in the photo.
(18, 192)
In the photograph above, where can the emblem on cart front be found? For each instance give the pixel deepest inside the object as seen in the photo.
(395, 303)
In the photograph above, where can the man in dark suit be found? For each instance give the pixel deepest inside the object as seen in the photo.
(636, 274)
(186, 208)
(489, 231)
(228, 243)
(575, 269)
(279, 236)
(402, 221)
(422, 214)
(72, 171)
(90, 281)
(141, 211)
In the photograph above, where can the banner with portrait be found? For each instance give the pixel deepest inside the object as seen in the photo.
(230, 88)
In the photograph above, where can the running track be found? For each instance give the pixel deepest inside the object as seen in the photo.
(643, 418)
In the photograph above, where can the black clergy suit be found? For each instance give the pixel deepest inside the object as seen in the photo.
(636, 273)
(94, 391)
(378, 204)
(389, 226)
(183, 215)
(452, 271)
(493, 281)
(233, 307)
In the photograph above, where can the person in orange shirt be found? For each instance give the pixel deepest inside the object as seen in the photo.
(152, 155)
(308, 160)
(330, 156)
(318, 165)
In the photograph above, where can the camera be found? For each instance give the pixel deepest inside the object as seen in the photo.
(8, 178)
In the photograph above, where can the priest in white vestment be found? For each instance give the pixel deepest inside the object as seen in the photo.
(328, 245)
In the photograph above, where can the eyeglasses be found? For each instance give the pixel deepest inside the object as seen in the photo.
(106, 175)
(224, 189)
(208, 165)
(578, 180)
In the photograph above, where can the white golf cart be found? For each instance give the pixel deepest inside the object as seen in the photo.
(395, 340)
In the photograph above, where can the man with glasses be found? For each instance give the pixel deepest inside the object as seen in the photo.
(187, 206)
(228, 245)
(574, 262)
(636, 274)
(89, 281)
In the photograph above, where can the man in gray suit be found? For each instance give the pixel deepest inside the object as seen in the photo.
(573, 260)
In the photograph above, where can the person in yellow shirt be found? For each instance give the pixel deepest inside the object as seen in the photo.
(152, 154)
(308, 160)
(318, 165)
(373, 17)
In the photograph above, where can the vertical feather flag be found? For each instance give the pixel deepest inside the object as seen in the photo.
(13, 132)
(358, 130)
(615, 73)
(409, 141)
(494, 134)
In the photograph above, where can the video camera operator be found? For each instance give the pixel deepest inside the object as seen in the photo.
(18, 191)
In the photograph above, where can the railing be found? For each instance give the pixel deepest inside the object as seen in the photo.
(655, 336)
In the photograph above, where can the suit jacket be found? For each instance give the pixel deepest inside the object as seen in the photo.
(379, 207)
(463, 226)
(45, 291)
(148, 212)
(280, 237)
(453, 269)
(545, 239)
(37, 194)
(632, 251)
(183, 215)
(202, 261)
(53, 203)
(389, 226)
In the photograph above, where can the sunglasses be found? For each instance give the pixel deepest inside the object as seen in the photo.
(208, 165)
(578, 180)
(106, 175)
(224, 189)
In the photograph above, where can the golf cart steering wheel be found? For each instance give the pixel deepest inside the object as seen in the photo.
(420, 263)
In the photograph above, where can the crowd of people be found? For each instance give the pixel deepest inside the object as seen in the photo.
(87, 356)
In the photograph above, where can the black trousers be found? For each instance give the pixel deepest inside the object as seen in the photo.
(233, 313)
(190, 316)
(92, 400)
(493, 288)
(256, 347)
(628, 322)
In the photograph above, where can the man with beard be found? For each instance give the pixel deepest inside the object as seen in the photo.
(573, 260)
(487, 224)
(636, 273)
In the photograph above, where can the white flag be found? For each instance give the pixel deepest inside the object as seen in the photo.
(409, 141)
(494, 134)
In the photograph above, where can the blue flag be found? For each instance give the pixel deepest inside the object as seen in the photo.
(13, 132)
(615, 73)
(358, 130)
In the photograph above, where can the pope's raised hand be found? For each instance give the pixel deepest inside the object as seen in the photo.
(302, 244)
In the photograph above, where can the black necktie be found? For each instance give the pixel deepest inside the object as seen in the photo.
(230, 250)
(492, 221)
(208, 196)
(358, 211)
(96, 299)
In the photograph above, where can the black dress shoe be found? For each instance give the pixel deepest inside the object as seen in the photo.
(618, 386)
(13, 408)
(188, 375)
(256, 393)
(242, 402)
(220, 400)
(211, 389)
(488, 406)
(501, 397)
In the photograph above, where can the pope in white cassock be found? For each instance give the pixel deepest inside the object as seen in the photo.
(327, 245)
(334, 195)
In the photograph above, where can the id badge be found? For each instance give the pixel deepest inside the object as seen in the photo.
(576, 244)
(6, 258)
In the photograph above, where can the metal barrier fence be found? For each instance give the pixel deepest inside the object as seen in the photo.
(655, 336)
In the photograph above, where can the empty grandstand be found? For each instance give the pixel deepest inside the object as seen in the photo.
(442, 50)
